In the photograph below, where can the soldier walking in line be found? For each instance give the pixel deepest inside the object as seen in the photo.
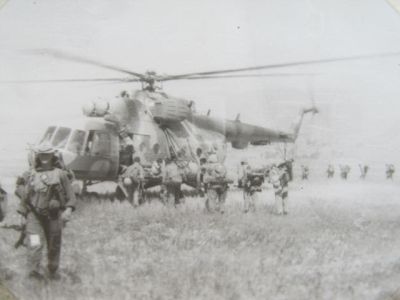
(133, 180)
(363, 170)
(47, 199)
(304, 172)
(215, 179)
(172, 180)
(279, 178)
(330, 172)
(344, 171)
(252, 182)
(390, 171)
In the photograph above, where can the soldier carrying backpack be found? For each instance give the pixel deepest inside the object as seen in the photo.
(215, 179)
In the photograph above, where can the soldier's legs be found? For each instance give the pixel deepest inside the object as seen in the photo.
(212, 198)
(178, 195)
(221, 200)
(54, 234)
(278, 203)
(170, 195)
(253, 197)
(35, 240)
(284, 203)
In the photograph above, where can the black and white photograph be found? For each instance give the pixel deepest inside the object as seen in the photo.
(183, 149)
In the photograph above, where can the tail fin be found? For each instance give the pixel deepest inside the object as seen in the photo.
(299, 121)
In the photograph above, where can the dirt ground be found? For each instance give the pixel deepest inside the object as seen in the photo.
(339, 241)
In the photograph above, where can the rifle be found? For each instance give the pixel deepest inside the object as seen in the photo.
(21, 229)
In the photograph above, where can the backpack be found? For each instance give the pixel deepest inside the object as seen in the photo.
(134, 172)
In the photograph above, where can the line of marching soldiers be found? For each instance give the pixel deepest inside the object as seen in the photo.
(212, 181)
(345, 170)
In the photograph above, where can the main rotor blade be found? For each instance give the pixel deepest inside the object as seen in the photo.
(242, 76)
(281, 65)
(71, 57)
(72, 80)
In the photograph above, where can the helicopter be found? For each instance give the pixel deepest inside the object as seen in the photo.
(151, 124)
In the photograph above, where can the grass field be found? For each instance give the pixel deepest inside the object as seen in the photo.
(339, 241)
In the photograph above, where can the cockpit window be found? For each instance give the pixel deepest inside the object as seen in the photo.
(48, 135)
(77, 141)
(61, 137)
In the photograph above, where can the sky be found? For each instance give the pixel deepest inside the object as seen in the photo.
(358, 100)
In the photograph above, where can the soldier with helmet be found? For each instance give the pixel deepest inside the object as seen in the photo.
(47, 200)
(215, 179)
(279, 178)
(251, 183)
(172, 180)
(133, 179)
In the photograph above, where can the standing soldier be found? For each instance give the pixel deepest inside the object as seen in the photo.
(242, 172)
(47, 199)
(280, 180)
(304, 172)
(201, 186)
(172, 181)
(217, 184)
(344, 171)
(363, 170)
(330, 171)
(3, 203)
(390, 171)
(252, 182)
(133, 179)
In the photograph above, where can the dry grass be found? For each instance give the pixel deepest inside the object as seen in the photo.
(340, 241)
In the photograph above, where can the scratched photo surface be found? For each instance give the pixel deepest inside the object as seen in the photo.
(340, 239)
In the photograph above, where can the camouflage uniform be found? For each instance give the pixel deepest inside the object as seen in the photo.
(48, 192)
(251, 185)
(390, 171)
(216, 183)
(330, 172)
(133, 178)
(280, 181)
(305, 172)
(172, 180)
(344, 171)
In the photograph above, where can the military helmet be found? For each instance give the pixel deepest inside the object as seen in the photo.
(45, 148)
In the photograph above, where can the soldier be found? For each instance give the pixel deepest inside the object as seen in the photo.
(3, 203)
(390, 171)
(279, 178)
(157, 172)
(304, 172)
(242, 172)
(363, 170)
(172, 180)
(344, 171)
(330, 171)
(47, 199)
(201, 186)
(217, 184)
(133, 179)
(252, 182)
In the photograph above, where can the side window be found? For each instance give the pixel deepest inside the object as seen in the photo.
(48, 135)
(61, 137)
(77, 141)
